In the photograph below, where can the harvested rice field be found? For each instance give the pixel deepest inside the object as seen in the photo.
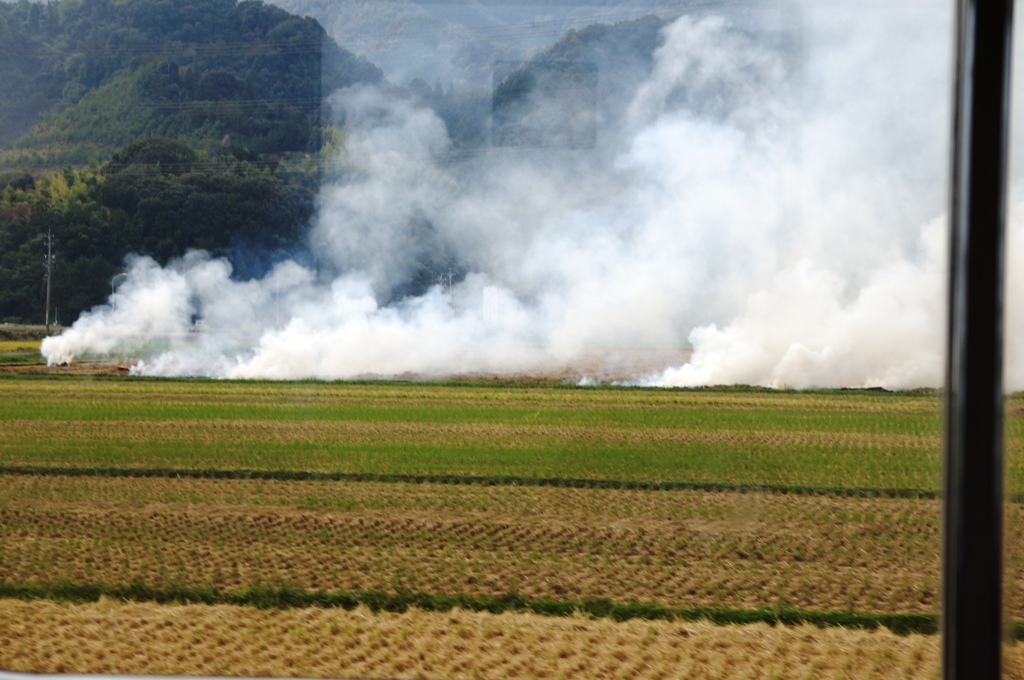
(678, 548)
(143, 638)
(457, 530)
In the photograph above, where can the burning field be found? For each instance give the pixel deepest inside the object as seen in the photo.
(509, 484)
(763, 201)
(453, 530)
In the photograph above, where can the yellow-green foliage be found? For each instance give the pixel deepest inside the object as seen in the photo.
(19, 346)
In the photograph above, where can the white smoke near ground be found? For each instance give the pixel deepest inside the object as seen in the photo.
(803, 331)
(775, 206)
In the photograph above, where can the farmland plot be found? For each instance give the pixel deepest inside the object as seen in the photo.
(826, 440)
(743, 503)
(678, 548)
(105, 637)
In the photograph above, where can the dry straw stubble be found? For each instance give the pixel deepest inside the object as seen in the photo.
(678, 548)
(141, 638)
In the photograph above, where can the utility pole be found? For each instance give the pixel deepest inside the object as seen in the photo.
(441, 281)
(116, 280)
(49, 271)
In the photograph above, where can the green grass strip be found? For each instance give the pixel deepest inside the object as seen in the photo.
(501, 480)
(286, 597)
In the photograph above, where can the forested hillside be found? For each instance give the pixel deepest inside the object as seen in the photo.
(459, 42)
(577, 89)
(155, 127)
(572, 94)
(87, 77)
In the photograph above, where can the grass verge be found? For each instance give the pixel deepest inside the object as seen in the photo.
(286, 597)
(454, 479)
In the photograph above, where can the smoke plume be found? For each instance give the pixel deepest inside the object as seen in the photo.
(772, 201)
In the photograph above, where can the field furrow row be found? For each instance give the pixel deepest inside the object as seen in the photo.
(676, 548)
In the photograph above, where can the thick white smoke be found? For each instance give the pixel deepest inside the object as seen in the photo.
(774, 203)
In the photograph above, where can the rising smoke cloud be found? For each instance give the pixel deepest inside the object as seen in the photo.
(774, 205)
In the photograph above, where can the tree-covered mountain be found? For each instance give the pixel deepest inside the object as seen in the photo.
(459, 42)
(569, 94)
(574, 91)
(86, 77)
(155, 127)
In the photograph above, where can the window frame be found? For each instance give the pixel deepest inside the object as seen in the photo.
(973, 478)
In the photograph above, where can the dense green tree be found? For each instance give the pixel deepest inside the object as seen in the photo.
(179, 124)
(92, 75)
(156, 197)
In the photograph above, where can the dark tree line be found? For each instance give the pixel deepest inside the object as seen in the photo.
(156, 197)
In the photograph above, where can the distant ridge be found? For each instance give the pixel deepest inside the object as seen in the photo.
(85, 78)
